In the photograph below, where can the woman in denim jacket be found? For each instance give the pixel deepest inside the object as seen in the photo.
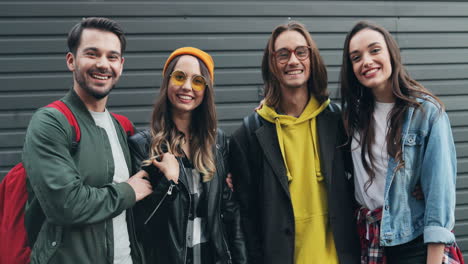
(400, 137)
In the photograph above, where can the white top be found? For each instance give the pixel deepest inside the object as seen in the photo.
(374, 197)
(121, 239)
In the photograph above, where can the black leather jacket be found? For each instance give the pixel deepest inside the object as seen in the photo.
(164, 235)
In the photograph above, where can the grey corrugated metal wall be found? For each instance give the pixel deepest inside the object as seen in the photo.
(433, 37)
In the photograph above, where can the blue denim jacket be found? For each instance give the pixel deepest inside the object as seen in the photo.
(430, 159)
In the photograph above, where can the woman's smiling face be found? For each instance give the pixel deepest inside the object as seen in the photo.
(183, 97)
(368, 53)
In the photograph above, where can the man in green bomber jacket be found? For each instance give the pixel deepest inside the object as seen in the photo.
(80, 198)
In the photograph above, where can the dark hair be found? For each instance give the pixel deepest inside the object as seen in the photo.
(101, 23)
(203, 125)
(317, 83)
(358, 101)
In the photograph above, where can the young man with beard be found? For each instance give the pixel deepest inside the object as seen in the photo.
(84, 194)
(287, 165)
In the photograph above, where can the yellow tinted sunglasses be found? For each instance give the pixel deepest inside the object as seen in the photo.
(179, 78)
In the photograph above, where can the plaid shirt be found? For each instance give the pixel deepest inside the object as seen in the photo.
(453, 255)
(368, 223)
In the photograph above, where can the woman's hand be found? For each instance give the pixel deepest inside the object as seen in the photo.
(229, 181)
(169, 166)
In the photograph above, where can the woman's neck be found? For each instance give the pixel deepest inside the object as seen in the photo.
(183, 122)
(384, 94)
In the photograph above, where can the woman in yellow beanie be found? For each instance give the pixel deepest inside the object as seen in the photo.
(191, 216)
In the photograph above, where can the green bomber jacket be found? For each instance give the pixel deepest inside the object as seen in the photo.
(71, 197)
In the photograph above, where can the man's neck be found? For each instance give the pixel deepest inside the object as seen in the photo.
(293, 101)
(91, 103)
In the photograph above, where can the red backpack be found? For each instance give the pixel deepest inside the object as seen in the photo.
(14, 246)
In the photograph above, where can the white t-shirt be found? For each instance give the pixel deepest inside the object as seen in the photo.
(121, 239)
(374, 197)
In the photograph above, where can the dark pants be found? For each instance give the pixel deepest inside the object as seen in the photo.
(413, 252)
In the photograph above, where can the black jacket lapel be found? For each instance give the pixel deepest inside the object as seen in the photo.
(268, 140)
(326, 128)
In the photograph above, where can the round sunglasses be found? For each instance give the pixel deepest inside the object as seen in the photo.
(179, 78)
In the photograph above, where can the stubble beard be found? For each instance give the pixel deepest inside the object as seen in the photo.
(97, 94)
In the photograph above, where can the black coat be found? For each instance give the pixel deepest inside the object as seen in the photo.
(261, 184)
(164, 236)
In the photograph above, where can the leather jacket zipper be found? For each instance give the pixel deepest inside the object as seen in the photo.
(223, 232)
(169, 192)
(186, 223)
(221, 164)
(227, 250)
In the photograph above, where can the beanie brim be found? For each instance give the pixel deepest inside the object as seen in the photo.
(200, 54)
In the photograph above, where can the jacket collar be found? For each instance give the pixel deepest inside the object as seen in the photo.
(78, 108)
(268, 140)
(327, 129)
(74, 102)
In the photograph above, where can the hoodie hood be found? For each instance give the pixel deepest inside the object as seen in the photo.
(311, 111)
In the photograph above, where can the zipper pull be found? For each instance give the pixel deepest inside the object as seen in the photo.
(229, 256)
(169, 191)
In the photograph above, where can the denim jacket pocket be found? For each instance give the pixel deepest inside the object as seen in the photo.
(413, 139)
(412, 144)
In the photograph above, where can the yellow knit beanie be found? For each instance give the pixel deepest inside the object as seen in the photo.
(203, 56)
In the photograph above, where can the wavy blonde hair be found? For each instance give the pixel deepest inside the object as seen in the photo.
(165, 137)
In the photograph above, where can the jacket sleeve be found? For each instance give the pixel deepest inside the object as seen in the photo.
(438, 177)
(345, 150)
(56, 181)
(245, 190)
(139, 145)
(230, 210)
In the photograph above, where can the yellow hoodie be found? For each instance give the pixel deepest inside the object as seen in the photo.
(298, 141)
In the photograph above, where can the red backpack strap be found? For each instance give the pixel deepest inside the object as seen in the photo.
(14, 247)
(63, 108)
(125, 123)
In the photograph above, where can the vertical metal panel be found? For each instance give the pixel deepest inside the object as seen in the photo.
(432, 35)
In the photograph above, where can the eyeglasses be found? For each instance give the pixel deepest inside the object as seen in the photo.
(179, 78)
(283, 55)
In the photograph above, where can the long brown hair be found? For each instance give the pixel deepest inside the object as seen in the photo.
(317, 83)
(358, 101)
(165, 135)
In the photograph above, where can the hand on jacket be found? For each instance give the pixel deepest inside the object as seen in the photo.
(229, 181)
(169, 166)
(417, 192)
(140, 185)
